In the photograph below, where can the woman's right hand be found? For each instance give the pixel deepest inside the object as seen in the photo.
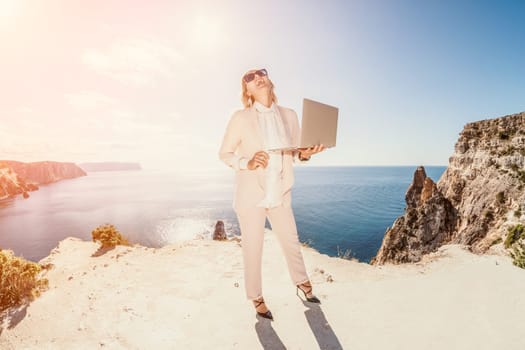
(259, 159)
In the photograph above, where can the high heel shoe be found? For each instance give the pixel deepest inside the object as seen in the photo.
(266, 314)
(313, 298)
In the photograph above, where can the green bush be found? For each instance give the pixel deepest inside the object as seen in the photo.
(516, 241)
(500, 197)
(347, 254)
(518, 254)
(20, 280)
(108, 236)
(515, 233)
(517, 213)
(521, 175)
(510, 150)
(518, 172)
(308, 243)
(503, 135)
(496, 241)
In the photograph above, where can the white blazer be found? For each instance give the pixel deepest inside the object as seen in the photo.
(243, 138)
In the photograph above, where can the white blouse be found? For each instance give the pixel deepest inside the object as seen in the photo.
(275, 135)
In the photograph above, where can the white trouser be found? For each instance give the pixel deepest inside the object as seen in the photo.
(282, 221)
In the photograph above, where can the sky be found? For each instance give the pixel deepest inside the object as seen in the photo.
(156, 82)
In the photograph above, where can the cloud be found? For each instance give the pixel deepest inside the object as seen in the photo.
(25, 109)
(100, 127)
(125, 124)
(139, 62)
(89, 100)
(23, 150)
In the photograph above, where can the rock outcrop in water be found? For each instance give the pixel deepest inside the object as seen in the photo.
(20, 178)
(479, 196)
(219, 234)
(428, 223)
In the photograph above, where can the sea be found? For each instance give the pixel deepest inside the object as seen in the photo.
(339, 211)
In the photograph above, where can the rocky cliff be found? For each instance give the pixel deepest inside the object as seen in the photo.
(479, 196)
(45, 172)
(18, 177)
(11, 184)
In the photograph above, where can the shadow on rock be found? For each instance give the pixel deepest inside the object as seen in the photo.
(324, 334)
(267, 335)
(11, 317)
(102, 250)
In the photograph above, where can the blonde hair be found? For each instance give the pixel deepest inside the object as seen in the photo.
(247, 101)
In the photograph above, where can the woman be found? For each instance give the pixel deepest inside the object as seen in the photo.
(258, 144)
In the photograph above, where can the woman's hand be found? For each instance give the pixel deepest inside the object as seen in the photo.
(306, 153)
(259, 159)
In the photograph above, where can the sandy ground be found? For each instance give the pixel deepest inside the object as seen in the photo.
(190, 295)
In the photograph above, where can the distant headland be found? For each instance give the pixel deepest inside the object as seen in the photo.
(20, 178)
(109, 166)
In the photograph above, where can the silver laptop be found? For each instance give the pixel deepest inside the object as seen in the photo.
(319, 125)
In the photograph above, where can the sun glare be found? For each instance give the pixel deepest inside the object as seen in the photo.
(207, 32)
(7, 8)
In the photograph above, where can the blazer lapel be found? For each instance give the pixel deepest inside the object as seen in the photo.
(286, 122)
(256, 127)
(255, 124)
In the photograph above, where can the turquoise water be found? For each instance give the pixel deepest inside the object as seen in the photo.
(336, 208)
(351, 207)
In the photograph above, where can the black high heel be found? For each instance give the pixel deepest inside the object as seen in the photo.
(266, 314)
(312, 299)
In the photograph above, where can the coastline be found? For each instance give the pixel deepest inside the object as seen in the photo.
(191, 295)
(155, 208)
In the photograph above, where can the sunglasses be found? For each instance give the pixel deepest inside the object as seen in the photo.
(250, 76)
